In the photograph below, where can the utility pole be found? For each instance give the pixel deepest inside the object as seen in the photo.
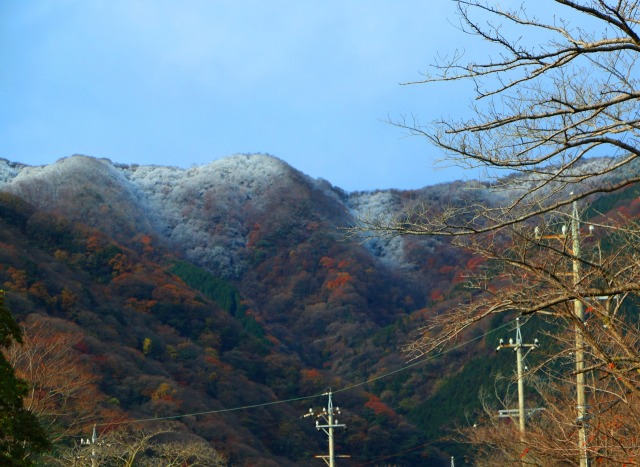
(329, 423)
(578, 309)
(94, 438)
(92, 442)
(518, 346)
(578, 312)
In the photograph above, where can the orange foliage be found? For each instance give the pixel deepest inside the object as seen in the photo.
(634, 207)
(120, 264)
(39, 290)
(274, 340)
(312, 375)
(459, 277)
(93, 244)
(143, 306)
(214, 360)
(163, 392)
(379, 408)
(167, 293)
(437, 295)
(327, 262)
(474, 262)
(446, 269)
(7, 247)
(343, 279)
(61, 255)
(624, 212)
(146, 241)
(67, 299)
(173, 294)
(254, 235)
(18, 278)
(64, 391)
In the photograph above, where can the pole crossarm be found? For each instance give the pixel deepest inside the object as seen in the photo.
(326, 421)
(510, 413)
(571, 237)
(517, 346)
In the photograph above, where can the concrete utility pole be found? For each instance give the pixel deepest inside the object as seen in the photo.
(92, 442)
(518, 346)
(94, 439)
(578, 311)
(327, 416)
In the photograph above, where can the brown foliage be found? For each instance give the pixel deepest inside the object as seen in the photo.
(62, 390)
(612, 428)
(129, 446)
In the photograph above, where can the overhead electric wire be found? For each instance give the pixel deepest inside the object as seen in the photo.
(296, 399)
(391, 456)
(419, 362)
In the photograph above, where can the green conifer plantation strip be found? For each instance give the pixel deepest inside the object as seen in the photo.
(215, 288)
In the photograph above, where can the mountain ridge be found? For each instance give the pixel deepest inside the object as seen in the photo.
(229, 285)
(211, 287)
(225, 187)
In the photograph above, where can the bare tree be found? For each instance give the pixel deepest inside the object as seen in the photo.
(63, 393)
(162, 445)
(550, 436)
(541, 112)
(544, 108)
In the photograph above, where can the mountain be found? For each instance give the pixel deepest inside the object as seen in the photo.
(229, 291)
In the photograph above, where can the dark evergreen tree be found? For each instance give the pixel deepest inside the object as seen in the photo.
(20, 432)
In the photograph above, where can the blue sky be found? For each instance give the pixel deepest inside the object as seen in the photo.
(182, 83)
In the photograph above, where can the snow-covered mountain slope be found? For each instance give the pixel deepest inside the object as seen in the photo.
(208, 212)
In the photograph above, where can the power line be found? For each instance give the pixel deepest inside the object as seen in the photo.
(420, 362)
(209, 412)
(330, 423)
(391, 456)
(518, 346)
(302, 398)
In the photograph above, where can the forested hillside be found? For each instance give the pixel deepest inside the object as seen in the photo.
(227, 299)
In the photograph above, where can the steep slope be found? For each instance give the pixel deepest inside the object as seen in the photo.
(210, 211)
(82, 189)
(191, 284)
(230, 285)
(155, 343)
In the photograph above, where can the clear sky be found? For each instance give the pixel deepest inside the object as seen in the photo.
(187, 82)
